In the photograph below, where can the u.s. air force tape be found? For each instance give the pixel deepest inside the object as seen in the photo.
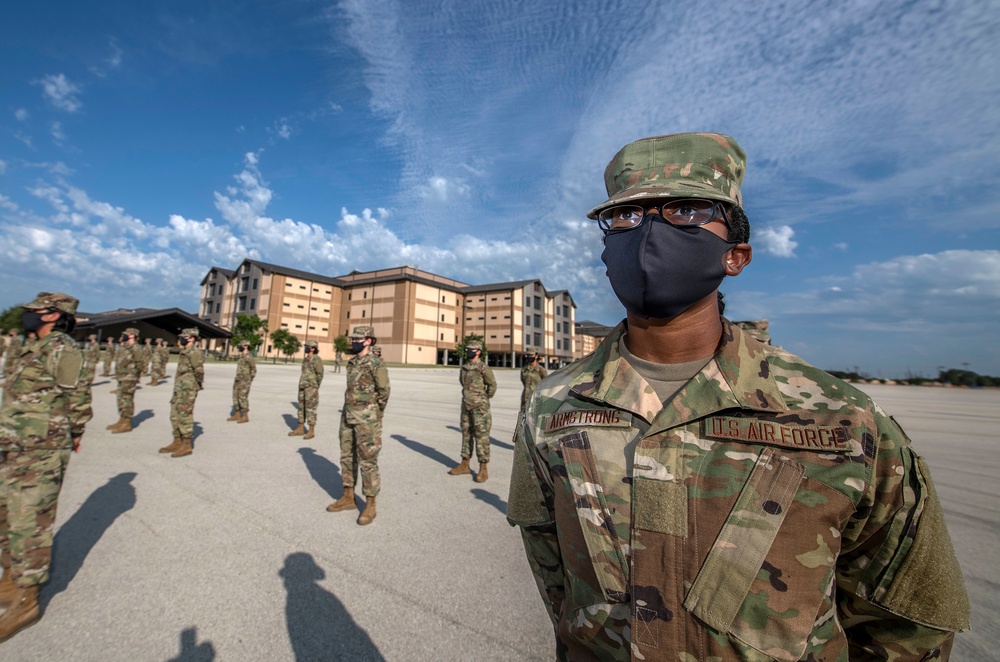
(823, 438)
(593, 418)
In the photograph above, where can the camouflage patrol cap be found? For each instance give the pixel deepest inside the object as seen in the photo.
(681, 165)
(61, 302)
(363, 332)
(92, 336)
(190, 333)
(131, 331)
(158, 341)
(530, 350)
(474, 344)
(242, 344)
(311, 343)
(376, 350)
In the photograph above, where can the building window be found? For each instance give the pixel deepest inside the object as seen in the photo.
(313, 308)
(538, 321)
(506, 317)
(348, 315)
(243, 303)
(348, 296)
(362, 313)
(538, 303)
(212, 290)
(493, 299)
(442, 318)
(302, 287)
(288, 284)
(284, 324)
(558, 327)
(442, 336)
(365, 294)
(493, 317)
(287, 305)
(558, 344)
(324, 328)
(245, 282)
(538, 340)
(312, 328)
(254, 283)
(253, 303)
(218, 307)
(301, 307)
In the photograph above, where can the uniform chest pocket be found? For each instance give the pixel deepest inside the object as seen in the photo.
(770, 569)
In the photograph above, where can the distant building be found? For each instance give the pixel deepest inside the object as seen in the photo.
(588, 335)
(419, 317)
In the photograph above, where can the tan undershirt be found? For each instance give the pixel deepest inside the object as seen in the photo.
(614, 463)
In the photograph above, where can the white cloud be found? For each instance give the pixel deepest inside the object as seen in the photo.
(777, 241)
(842, 246)
(61, 93)
(21, 114)
(58, 135)
(111, 62)
(441, 189)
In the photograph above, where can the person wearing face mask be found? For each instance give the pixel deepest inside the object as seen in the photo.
(532, 372)
(91, 356)
(188, 381)
(365, 398)
(41, 423)
(478, 386)
(109, 356)
(128, 365)
(689, 492)
(309, 383)
(246, 370)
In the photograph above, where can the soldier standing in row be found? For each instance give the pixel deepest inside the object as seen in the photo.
(338, 358)
(478, 386)
(161, 354)
(13, 352)
(686, 492)
(531, 373)
(361, 423)
(91, 355)
(128, 364)
(147, 355)
(309, 382)
(109, 355)
(246, 370)
(188, 380)
(40, 425)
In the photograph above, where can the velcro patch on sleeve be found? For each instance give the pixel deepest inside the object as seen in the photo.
(591, 418)
(817, 438)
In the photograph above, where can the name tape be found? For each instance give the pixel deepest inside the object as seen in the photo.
(605, 418)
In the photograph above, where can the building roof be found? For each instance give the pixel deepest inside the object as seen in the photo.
(512, 285)
(588, 328)
(225, 273)
(169, 320)
(294, 273)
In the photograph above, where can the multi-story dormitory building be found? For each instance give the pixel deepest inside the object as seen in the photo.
(419, 317)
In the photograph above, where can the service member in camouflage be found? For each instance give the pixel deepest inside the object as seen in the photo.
(246, 370)
(188, 380)
(147, 355)
(478, 386)
(158, 366)
(532, 372)
(688, 493)
(14, 343)
(128, 364)
(109, 356)
(338, 359)
(361, 423)
(91, 356)
(40, 425)
(309, 382)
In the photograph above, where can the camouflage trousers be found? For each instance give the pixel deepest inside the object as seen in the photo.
(241, 396)
(360, 444)
(29, 493)
(308, 404)
(159, 371)
(476, 424)
(126, 398)
(107, 364)
(89, 370)
(182, 412)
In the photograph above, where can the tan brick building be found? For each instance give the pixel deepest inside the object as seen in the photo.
(588, 335)
(419, 317)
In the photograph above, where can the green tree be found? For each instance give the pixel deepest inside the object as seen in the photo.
(247, 329)
(11, 319)
(285, 342)
(341, 344)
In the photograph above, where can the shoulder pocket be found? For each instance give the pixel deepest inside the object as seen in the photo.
(68, 364)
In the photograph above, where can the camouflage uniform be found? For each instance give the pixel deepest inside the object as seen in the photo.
(478, 386)
(767, 511)
(309, 382)
(109, 357)
(361, 421)
(91, 356)
(161, 354)
(246, 370)
(188, 381)
(128, 364)
(146, 352)
(48, 409)
(337, 360)
(530, 376)
(13, 352)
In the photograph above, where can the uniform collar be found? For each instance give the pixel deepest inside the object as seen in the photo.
(738, 377)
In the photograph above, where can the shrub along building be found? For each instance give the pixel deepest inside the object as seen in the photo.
(419, 317)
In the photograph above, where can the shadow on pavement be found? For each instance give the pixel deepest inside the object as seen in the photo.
(490, 498)
(141, 417)
(319, 626)
(493, 440)
(425, 450)
(324, 472)
(191, 650)
(291, 420)
(81, 532)
(196, 430)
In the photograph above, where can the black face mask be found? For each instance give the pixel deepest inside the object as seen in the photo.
(31, 320)
(660, 270)
(357, 347)
(123, 339)
(471, 354)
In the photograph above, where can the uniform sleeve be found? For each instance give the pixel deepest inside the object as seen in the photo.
(319, 372)
(529, 507)
(900, 590)
(197, 359)
(253, 368)
(78, 392)
(381, 386)
(490, 381)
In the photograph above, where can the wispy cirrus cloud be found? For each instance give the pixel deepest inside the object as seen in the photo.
(61, 93)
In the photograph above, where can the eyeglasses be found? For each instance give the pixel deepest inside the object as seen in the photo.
(686, 212)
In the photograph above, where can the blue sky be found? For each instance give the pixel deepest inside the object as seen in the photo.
(142, 143)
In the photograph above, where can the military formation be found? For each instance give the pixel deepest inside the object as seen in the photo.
(687, 491)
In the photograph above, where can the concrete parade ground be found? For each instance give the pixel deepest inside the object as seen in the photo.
(229, 554)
